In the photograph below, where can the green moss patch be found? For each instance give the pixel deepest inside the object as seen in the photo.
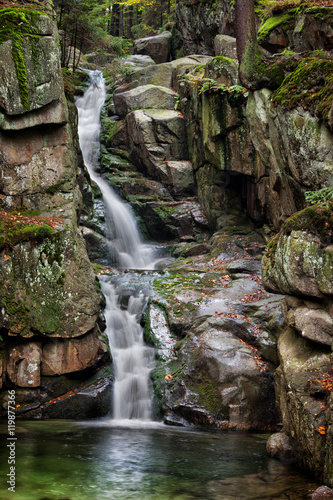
(19, 25)
(310, 85)
(17, 227)
(317, 219)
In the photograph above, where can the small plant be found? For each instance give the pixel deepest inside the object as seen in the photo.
(235, 92)
(324, 196)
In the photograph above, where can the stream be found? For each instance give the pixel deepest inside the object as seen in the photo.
(128, 455)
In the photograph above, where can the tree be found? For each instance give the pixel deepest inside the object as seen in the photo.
(252, 69)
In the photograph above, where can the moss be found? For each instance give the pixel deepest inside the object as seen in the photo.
(284, 20)
(310, 85)
(13, 233)
(54, 188)
(321, 12)
(18, 25)
(258, 70)
(317, 219)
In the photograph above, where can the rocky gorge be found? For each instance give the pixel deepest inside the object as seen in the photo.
(212, 171)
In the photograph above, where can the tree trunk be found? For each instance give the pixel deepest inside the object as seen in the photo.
(245, 25)
(121, 21)
(252, 69)
(129, 21)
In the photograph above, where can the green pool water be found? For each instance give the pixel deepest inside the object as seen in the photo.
(66, 460)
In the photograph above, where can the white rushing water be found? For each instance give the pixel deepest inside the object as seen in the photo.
(132, 360)
(122, 233)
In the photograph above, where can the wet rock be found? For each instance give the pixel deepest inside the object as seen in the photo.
(322, 492)
(157, 47)
(92, 402)
(280, 446)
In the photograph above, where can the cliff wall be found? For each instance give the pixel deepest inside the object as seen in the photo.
(50, 339)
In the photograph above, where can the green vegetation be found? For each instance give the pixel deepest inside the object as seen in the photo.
(317, 219)
(19, 25)
(310, 85)
(324, 195)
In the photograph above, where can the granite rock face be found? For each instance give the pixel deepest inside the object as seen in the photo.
(50, 304)
(299, 263)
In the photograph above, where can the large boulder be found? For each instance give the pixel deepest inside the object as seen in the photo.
(177, 176)
(145, 96)
(157, 47)
(156, 135)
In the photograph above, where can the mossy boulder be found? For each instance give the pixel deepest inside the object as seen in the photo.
(301, 260)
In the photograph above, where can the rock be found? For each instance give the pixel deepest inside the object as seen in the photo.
(72, 355)
(51, 287)
(138, 60)
(154, 136)
(293, 138)
(157, 47)
(92, 402)
(157, 74)
(53, 113)
(44, 82)
(225, 46)
(321, 493)
(301, 266)
(145, 96)
(280, 446)
(97, 247)
(177, 176)
(312, 32)
(314, 324)
(38, 169)
(23, 364)
(221, 385)
(196, 26)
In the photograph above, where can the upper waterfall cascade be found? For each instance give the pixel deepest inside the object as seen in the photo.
(126, 247)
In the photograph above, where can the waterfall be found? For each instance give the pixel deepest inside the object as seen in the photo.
(133, 361)
(125, 244)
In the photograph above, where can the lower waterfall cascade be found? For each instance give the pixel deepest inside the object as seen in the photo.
(132, 359)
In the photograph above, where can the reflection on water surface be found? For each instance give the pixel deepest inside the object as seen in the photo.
(65, 460)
